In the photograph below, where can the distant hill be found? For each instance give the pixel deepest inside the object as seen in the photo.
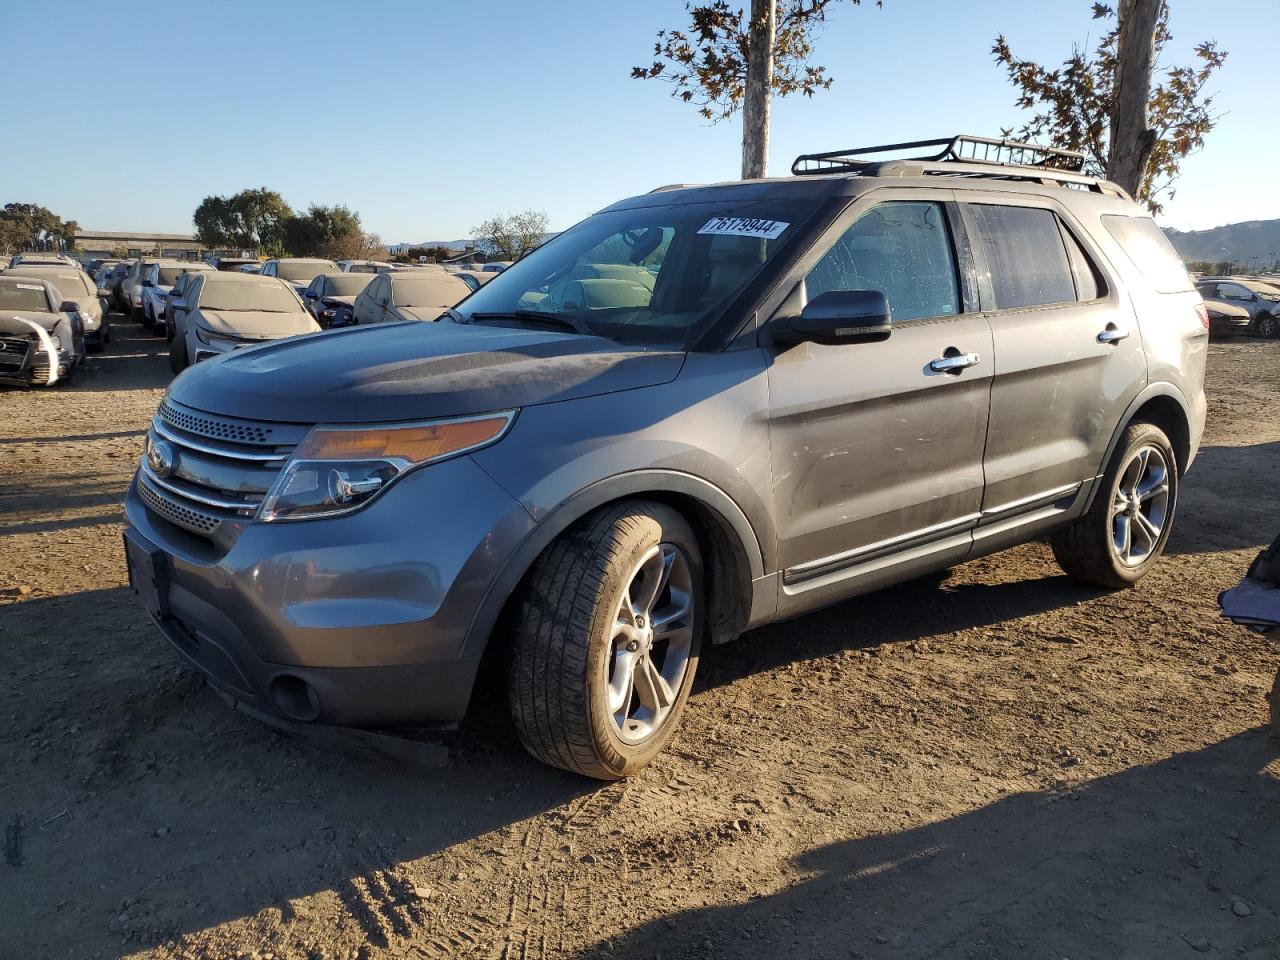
(1239, 242)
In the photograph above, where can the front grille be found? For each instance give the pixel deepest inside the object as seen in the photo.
(13, 354)
(221, 468)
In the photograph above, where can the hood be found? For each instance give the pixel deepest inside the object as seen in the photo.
(256, 324)
(1224, 309)
(417, 371)
(9, 326)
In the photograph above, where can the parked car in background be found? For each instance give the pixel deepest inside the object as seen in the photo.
(119, 273)
(839, 382)
(298, 271)
(102, 280)
(408, 295)
(46, 260)
(332, 293)
(474, 279)
(176, 292)
(494, 266)
(1260, 300)
(41, 341)
(220, 312)
(1227, 318)
(155, 290)
(365, 266)
(93, 267)
(235, 264)
(6, 261)
(131, 286)
(73, 286)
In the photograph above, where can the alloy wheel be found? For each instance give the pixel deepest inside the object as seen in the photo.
(1140, 506)
(651, 644)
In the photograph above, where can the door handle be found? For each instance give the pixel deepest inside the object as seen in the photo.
(954, 362)
(1112, 334)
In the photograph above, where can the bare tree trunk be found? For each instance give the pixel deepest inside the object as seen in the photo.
(1131, 138)
(755, 104)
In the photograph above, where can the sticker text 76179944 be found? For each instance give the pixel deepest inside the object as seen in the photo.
(744, 227)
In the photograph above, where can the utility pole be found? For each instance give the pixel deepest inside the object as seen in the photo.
(761, 32)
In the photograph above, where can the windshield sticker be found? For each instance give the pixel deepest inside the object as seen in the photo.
(744, 227)
(30, 286)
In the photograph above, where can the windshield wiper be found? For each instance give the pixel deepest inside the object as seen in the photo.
(538, 316)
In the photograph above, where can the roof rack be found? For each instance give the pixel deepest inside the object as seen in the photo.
(962, 147)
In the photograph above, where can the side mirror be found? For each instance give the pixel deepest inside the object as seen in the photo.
(178, 304)
(840, 316)
(68, 306)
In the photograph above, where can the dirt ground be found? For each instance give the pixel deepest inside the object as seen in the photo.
(994, 763)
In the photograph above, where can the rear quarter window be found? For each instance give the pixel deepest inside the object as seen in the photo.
(1150, 251)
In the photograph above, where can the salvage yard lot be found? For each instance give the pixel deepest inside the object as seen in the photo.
(996, 762)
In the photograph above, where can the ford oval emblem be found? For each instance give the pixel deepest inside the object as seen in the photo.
(160, 458)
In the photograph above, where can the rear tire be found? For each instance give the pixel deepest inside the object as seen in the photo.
(1117, 542)
(1268, 326)
(606, 641)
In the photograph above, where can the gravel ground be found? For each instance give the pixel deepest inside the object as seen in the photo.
(993, 762)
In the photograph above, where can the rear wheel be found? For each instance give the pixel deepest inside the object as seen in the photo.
(1125, 529)
(1268, 326)
(606, 641)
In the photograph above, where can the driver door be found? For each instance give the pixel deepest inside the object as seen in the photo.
(876, 454)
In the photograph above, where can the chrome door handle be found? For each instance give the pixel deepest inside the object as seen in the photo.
(957, 362)
(1112, 335)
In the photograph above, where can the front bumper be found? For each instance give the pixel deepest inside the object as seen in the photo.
(360, 620)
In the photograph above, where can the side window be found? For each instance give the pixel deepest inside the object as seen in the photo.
(1025, 255)
(901, 249)
(1150, 251)
(1233, 291)
(1089, 283)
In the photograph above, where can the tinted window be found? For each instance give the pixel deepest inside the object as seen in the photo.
(1025, 255)
(1150, 251)
(900, 249)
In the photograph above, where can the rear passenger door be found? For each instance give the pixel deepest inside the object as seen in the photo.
(1068, 354)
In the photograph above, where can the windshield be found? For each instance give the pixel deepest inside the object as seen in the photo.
(304, 272)
(657, 274)
(439, 290)
(69, 285)
(1263, 289)
(16, 295)
(169, 274)
(266, 296)
(347, 284)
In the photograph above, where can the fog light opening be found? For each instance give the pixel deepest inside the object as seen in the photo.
(295, 698)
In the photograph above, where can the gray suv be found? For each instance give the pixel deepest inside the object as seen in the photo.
(698, 411)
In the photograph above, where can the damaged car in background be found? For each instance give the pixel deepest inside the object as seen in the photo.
(41, 335)
(73, 286)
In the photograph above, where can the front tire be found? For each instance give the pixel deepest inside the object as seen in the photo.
(178, 354)
(1268, 326)
(606, 641)
(1117, 542)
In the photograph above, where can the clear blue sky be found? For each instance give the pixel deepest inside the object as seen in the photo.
(427, 117)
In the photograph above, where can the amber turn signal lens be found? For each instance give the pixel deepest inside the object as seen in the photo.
(415, 444)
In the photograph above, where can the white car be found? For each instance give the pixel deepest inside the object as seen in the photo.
(220, 312)
(155, 290)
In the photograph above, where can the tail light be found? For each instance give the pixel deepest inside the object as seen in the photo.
(1204, 314)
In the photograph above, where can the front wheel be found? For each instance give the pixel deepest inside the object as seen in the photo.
(1268, 326)
(606, 641)
(178, 354)
(1117, 542)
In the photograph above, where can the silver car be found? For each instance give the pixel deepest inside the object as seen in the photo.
(156, 285)
(838, 380)
(408, 295)
(221, 312)
(1260, 300)
(298, 271)
(331, 293)
(74, 286)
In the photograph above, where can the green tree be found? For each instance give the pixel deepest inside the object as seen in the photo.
(251, 219)
(726, 59)
(29, 226)
(512, 236)
(332, 232)
(1079, 104)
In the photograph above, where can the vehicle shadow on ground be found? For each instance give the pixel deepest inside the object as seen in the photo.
(1125, 882)
(1227, 500)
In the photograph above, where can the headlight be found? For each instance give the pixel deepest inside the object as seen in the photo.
(338, 469)
(225, 344)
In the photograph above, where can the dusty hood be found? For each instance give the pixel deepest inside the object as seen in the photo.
(413, 371)
(254, 324)
(10, 326)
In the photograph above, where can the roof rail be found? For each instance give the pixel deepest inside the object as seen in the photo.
(962, 156)
(962, 147)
